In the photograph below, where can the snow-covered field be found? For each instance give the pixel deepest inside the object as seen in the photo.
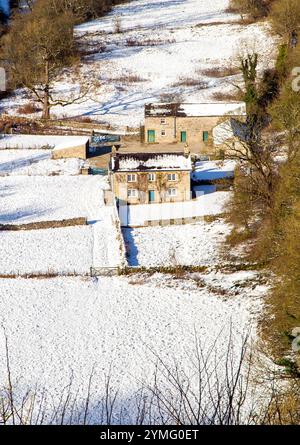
(67, 329)
(34, 141)
(60, 251)
(191, 244)
(162, 44)
(36, 163)
(27, 199)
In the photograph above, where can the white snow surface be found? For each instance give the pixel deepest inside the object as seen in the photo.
(62, 251)
(29, 199)
(26, 141)
(36, 163)
(25, 199)
(203, 109)
(155, 162)
(213, 170)
(187, 245)
(66, 328)
(162, 43)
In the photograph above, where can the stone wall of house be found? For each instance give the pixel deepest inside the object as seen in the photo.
(159, 186)
(79, 151)
(172, 127)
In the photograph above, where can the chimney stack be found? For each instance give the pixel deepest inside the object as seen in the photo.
(187, 151)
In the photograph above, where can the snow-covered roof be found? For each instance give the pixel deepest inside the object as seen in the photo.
(72, 142)
(196, 110)
(150, 161)
(26, 141)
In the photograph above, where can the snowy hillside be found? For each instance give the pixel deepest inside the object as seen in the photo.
(165, 50)
(65, 322)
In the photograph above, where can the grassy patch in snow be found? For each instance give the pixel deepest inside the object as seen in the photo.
(220, 72)
(190, 82)
(45, 224)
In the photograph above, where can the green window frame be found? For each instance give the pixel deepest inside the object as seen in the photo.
(183, 136)
(205, 136)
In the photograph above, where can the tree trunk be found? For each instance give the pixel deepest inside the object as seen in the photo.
(46, 103)
(46, 106)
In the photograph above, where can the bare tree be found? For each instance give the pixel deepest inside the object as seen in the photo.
(38, 47)
(216, 390)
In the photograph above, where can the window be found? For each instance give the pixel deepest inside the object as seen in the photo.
(205, 136)
(163, 121)
(172, 177)
(151, 177)
(132, 193)
(131, 178)
(172, 192)
(183, 137)
(163, 132)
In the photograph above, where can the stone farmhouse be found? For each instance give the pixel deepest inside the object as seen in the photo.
(200, 126)
(145, 178)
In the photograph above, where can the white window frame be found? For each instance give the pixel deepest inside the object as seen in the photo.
(172, 192)
(163, 121)
(132, 193)
(131, 177)
(172, 177)
(151, 177)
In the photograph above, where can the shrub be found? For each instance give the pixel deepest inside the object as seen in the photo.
(221, 71)
(29, 108)
(191, 82)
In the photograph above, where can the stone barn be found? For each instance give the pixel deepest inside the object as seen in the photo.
(189, 124)
(72, 147)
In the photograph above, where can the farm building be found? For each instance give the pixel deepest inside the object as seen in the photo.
(145, 178)
(72, 147)
(191, 124)
(61, 146)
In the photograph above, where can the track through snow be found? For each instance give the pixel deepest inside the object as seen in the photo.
(161, 44)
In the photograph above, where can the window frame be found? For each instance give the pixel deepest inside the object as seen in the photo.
(149, 177)
(163, 121)
(136, 193)
(132, 175)
(172, 195)
(163, 133)
(175, 177)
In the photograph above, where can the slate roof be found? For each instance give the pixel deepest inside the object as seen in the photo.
(195, 110)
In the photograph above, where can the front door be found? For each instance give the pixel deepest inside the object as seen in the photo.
(151, 196)
(183, 136)
(151, 136)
